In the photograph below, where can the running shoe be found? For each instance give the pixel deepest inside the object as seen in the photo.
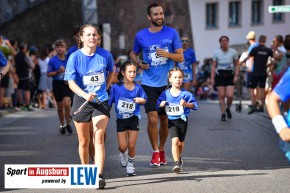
(252, 109)
(223, 118)
(229, 114)
(123, 157)
(69, 129)
(102, 182)
(181, 161)
(176, 167)
(162, 157)
(130, 170)
(62, 130)
(155, 161)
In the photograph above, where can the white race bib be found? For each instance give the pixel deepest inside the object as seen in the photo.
(94, 79)
(174, 110)
(126, 106)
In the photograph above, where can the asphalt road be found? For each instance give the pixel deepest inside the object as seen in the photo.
(239, 155)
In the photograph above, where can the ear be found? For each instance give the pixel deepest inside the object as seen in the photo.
(148, 17)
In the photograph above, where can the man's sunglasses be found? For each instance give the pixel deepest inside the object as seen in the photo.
(184, 40)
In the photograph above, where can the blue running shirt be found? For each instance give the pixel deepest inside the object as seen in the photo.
(283, 87)
(90, 72)
(3, 60)
(186, 65)
(125, 106)
(54, 64)
(71, 50)
(172, 108)
(167, 39)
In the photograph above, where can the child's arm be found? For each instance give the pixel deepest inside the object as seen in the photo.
(189, 101)
(162, 104)
(185, 104)
(161, 101)
(139, 100)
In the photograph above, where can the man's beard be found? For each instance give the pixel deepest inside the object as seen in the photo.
(157, 24)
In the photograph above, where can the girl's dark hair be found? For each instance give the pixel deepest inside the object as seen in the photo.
(81, 44)
(224, 37)
(123, 67)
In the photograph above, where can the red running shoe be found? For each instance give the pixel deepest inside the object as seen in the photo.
(155, 161)
(162, 157)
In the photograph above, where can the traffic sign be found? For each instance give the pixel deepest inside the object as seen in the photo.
(279, 8)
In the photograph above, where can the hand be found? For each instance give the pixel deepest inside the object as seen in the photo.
(161, 53)
(136, 100)
(143, 65)
(235, 79)
(182, 102)
(285, 134)
(162, 104)
(90, 96)
(61, 69)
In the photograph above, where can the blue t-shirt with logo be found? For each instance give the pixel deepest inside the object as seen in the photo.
(54, 64)
(125, 106)
(186, 65)
(172, 108)
(90, 72)
(167, 39)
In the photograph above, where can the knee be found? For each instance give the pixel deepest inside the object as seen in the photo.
(84, 143)
(131, 147)
(221, 96)
(153, 120)
(122, 148)
(229, 96)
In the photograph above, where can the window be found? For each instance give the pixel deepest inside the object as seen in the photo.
(211, 15)
(257, 7)
(278, 17)
(234, 13)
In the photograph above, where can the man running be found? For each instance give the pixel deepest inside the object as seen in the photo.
(161, 46)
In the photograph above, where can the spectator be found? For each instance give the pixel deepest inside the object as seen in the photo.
(23, 64)
(259, 74)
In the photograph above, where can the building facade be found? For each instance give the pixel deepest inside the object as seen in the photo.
(234, 18)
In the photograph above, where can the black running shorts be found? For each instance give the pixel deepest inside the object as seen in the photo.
(131, 123)
(89, 111)
(256, 81)
(61, 90)
(224, 78)
(177, 128)
(153, 94)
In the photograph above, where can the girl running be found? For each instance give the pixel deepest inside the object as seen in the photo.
(127, 97)
(177, 104)
(61, 91)
(89, 74)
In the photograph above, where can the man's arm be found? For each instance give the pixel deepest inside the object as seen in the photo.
(177, 56)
